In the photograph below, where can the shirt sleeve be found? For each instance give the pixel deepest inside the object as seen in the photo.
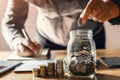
(115, 21)
(14, 19)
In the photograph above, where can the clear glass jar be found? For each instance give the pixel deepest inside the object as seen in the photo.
(81, 53)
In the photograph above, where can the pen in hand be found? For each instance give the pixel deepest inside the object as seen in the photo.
(27, 37)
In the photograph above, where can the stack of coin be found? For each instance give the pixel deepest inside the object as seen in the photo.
(59, 68)
(43, 71)
(51, 69)
(35, 72)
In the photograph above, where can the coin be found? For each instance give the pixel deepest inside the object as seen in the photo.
(51, 74)
(72, 68)
(83, 68)
(60, 72)
(80, 22)
(80, 59)
(74, 62)
(43, 71)
(59, 64)
(90, 68)
(51, 67)
(35, 72)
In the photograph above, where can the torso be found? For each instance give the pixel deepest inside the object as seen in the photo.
(54, 22)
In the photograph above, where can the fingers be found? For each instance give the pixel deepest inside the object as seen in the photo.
(96, 9)
(30, 45)
(87, 11)
(24, 51)
(103, 15)
(38, 47)
(33, 47)
(99, 10)
(25, 47)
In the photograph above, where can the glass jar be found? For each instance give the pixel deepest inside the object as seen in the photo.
(81, 53)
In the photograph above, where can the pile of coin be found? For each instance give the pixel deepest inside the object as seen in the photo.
(51, 70)
(43, 70)
(82, 65)
(36, 72)
(59, 68)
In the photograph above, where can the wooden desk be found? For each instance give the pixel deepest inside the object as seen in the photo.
(101, 73)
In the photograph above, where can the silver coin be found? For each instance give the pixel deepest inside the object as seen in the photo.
(73, 63)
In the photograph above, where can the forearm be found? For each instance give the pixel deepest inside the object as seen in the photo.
(14, 20)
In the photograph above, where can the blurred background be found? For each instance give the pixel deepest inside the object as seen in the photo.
(112, 32)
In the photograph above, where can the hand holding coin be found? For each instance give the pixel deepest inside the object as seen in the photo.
(99, 10)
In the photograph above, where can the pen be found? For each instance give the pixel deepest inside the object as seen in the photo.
(25, 34)
(27, 37)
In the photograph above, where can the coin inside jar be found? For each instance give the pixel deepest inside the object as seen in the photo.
(82, 65)
(81, 68)
(73, 62)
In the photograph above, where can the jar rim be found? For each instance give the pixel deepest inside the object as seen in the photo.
(81, 31)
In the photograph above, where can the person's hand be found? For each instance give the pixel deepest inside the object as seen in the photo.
(99, 10)
(24, 47)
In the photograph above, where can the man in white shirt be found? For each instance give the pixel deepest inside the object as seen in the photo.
(55, 19)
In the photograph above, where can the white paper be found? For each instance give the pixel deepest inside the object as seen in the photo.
(30, 64)
(14, 56)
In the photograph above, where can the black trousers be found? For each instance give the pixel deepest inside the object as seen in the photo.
(99, 39)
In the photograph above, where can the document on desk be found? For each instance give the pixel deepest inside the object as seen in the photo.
(28, 65)
(15, 57)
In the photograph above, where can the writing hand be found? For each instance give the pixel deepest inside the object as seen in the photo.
(25, 47)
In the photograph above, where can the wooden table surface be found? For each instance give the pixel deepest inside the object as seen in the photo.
(102, 73)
